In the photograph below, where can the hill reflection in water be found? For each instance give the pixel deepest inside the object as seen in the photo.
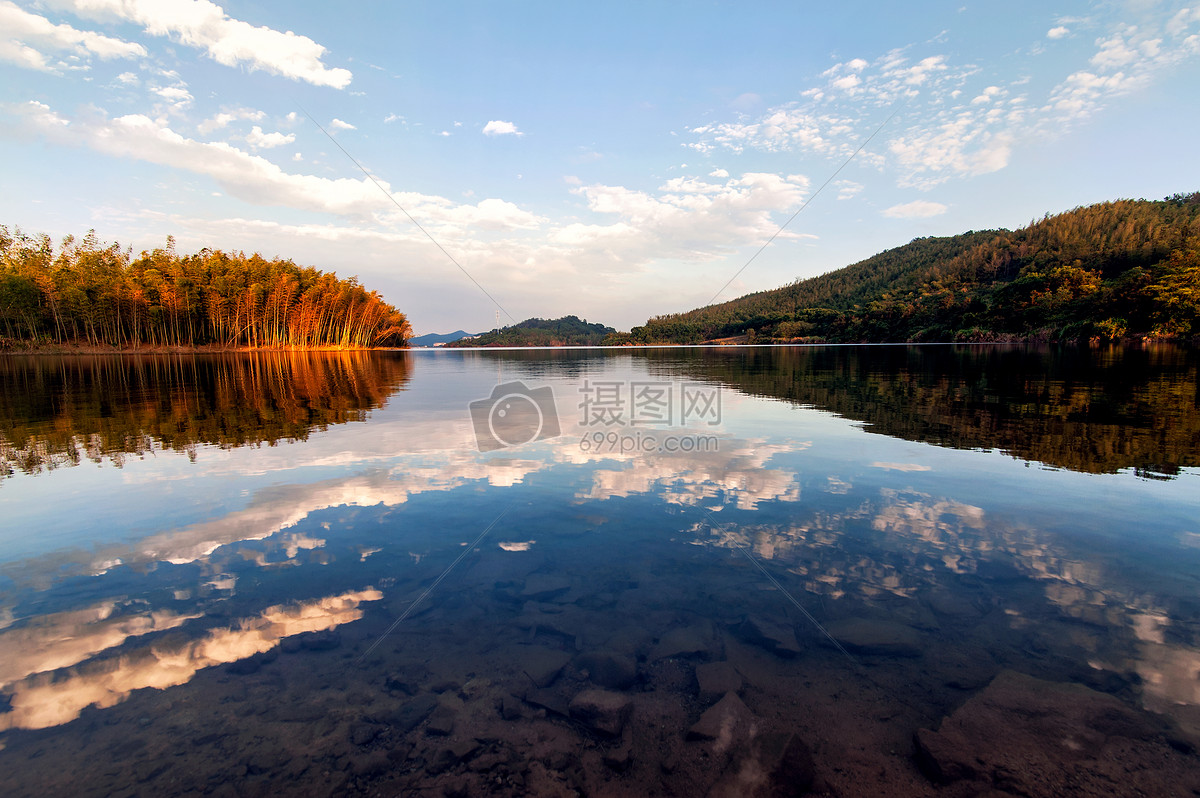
(59, 411)
(355, 614)
(1093, 410)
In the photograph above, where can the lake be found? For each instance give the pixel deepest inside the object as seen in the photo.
(855, 570)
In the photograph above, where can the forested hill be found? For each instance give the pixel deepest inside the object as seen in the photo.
(96, 294)
(1109, 270)
(567, 331)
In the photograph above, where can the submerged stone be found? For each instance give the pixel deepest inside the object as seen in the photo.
(326, 640)
(542, 665)
(1047, 738)
(364, 733)
(411, 713)
(548, 700)
(772, 765)
(716, 679)
(778, 638)
(870, 636)
(685, 642)
(728, 723)
(602, 711)
(609, 670)
(541, 587)
(441, 722)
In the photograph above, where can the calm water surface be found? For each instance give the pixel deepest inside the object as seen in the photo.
(736, 571)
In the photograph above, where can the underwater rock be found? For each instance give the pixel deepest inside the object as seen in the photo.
(452, 755)
(412, 712)
(364, 733)
(869, 636)
(441, 722)
(541, 665)
(549, 701)
(772, 765)
(716, 679)
(728, 723)
(602, 711)
(776, 637)
(1034, 737)
(326, 640)
(609, 670)
(542, 587)
(370, 763)
(402, 683)
(684, 642)
(620, 757)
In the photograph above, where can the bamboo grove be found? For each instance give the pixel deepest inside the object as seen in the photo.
(97, 294)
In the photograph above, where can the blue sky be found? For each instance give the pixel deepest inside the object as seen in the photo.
(613, 161)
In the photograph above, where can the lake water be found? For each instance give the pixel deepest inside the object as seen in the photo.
(733, 571)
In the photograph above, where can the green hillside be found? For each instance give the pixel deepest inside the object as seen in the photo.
(567, 331)
(1109, 270)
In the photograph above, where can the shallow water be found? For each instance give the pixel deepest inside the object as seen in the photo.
(366, 573)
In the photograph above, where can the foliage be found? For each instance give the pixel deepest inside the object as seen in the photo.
(92, 293)
(1102, 271)
(567, 331)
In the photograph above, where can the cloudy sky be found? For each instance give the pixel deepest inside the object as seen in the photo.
(613, 161)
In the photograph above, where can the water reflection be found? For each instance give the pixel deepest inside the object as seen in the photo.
(938, 568)
(57, 411)
(52, 697)
(1096, 410)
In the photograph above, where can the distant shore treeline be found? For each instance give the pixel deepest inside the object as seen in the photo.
(567, 331)
(97, 294)
(1124, 268)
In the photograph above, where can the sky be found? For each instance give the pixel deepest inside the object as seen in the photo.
(613, 161)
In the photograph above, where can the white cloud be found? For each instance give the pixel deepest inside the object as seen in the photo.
(1126, 60)
(918, 209)
(264, 141)
(23, 32)
(176, 96)
(254, 179)
(231, 42)
(23, 56)
(846, 189)
(128, 79)
(387, 120)
(338, 124)
(220, 120)
(718, 173)
(498, 128)
(248, 177)
(946, 127)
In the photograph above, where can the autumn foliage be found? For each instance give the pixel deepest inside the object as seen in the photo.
(1106, 271)
(91, 293)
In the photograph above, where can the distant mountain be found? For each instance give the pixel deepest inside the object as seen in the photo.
(1116, 269)
(567, 331)
(438, 338)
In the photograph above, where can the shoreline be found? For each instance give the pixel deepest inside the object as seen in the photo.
(204, 349)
